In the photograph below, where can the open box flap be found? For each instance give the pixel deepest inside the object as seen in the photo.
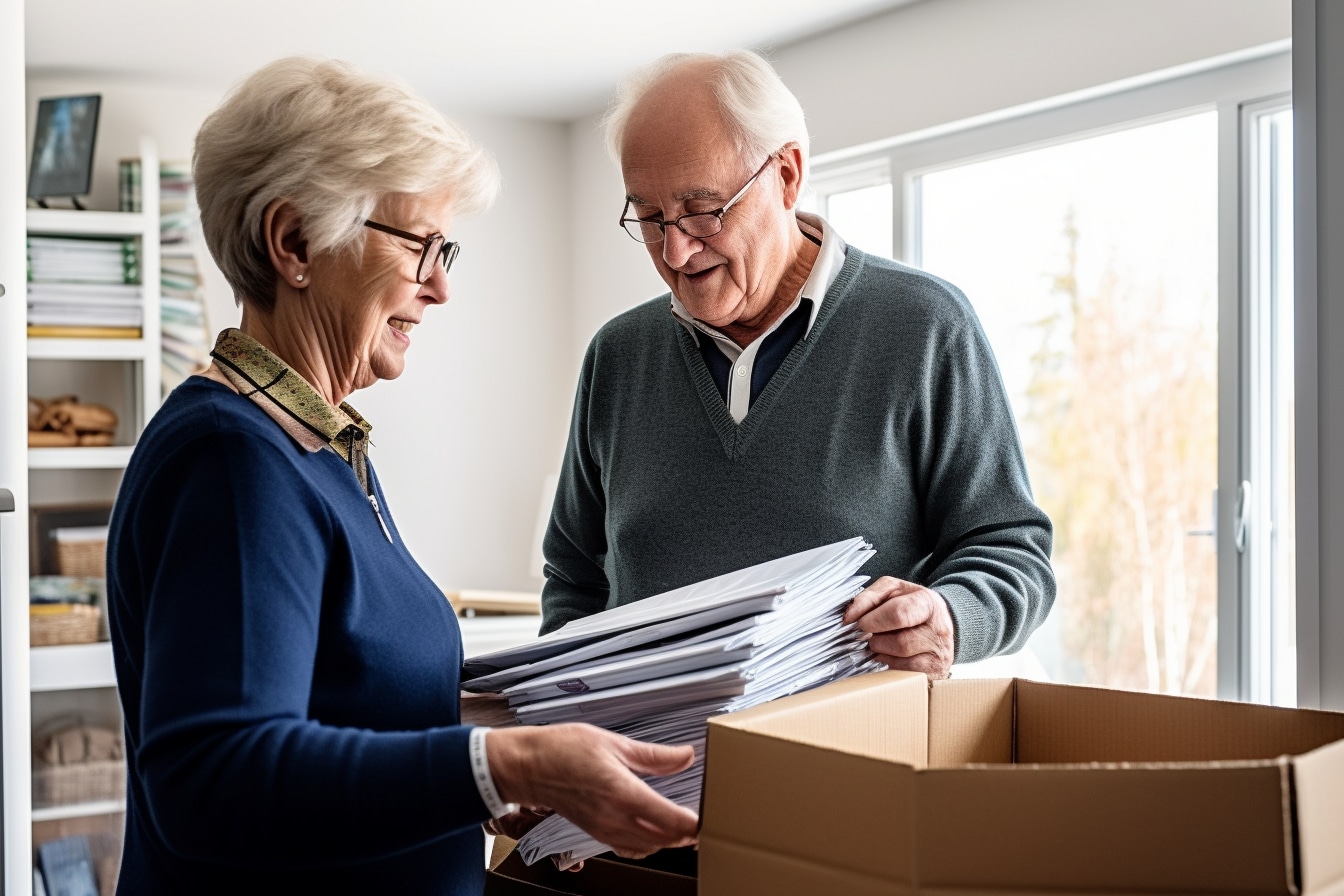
(732, 869)
(971, 721)
(1067, 723)
(1151, 828)
(810, 803)
(883, 715)
(1318, 784)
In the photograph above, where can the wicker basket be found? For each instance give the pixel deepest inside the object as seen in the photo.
(78, 624)
(80, 782)
(81, 555)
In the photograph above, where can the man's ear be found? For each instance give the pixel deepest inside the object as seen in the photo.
(791, 173)
(282, 229)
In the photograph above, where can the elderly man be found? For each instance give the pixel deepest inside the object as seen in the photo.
(790, 391)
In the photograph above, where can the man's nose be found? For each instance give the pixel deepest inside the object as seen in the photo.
(678, 247)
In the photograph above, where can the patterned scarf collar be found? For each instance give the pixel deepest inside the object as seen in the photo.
(252, 368)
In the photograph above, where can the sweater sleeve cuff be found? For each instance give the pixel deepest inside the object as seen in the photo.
(480, 773)
(972, 636)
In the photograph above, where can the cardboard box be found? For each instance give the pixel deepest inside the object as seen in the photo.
(509, 876)
(885, 784)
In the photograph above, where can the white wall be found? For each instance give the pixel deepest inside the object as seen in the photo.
(923, 66)
(465, 438)
(611, 272)
(931, 63)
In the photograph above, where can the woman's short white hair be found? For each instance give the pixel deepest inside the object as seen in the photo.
(762, 114)
(332, 140)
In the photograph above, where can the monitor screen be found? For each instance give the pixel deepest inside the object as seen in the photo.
(63, 146)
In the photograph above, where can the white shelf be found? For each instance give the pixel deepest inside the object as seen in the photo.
(70, 222)
(114, 457)
(54, 349)
(65, 667)
(79, 810)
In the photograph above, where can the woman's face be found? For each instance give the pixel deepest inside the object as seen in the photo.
(369, 301)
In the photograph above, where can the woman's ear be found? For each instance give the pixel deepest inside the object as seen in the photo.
(282, 228)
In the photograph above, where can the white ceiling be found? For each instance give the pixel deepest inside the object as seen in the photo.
(532, 58)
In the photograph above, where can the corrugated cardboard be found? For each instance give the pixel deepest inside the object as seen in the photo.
(885, 784)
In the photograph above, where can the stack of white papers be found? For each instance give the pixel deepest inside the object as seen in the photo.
(657, 669)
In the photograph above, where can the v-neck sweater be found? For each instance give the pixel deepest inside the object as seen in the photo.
(888, 420)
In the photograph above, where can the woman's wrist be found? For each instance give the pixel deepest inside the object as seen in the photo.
(509, 750)
(484, 775)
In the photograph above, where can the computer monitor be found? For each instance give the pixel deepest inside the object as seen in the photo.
(63, 146)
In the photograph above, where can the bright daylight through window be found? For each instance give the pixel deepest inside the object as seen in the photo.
(1130, 258)
(1093, 267)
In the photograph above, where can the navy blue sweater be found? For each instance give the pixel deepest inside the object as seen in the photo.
(289, 679)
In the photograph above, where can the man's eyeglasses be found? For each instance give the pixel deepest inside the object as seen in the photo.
(697, 224)
(438, 250)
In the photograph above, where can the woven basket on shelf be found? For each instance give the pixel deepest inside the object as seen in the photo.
(82, 558)
(75, 624)
(78, 764)
(82, 782)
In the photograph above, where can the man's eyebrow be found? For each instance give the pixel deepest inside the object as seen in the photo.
(680, 197)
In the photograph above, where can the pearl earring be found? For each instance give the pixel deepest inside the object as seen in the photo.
(299, 278)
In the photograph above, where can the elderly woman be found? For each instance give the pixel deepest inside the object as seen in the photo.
(288, 673)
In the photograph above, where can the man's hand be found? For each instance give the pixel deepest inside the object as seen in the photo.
(588, 775)
(911, 626)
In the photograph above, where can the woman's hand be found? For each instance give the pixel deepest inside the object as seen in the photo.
(516, 824)
(587, 775)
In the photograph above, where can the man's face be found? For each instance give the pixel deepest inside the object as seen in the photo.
(678, 159)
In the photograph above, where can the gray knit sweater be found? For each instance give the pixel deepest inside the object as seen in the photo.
(888, 420)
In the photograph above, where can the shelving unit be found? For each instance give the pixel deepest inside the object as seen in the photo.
(114, 457)
(79, 678)
(65, 667)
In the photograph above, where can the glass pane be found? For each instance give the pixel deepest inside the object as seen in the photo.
(1271, 542)
(862, 217)
(1093, 267)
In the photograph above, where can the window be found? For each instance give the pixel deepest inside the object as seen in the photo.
(1093, 267)
(1146, 351)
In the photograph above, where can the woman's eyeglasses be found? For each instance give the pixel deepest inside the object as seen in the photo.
(437, 249)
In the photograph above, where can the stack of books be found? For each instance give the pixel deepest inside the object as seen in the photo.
(84, 287)
(185, 331)
(658, 669)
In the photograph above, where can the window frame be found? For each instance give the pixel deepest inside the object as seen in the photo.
(1268, 674)
(1229, 90)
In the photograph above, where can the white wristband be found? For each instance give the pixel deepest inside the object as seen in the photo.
(485, 782)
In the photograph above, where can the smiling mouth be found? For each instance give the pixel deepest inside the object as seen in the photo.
(402, 325)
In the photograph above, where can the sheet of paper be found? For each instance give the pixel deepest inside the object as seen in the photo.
(658, 669)
(764, 582)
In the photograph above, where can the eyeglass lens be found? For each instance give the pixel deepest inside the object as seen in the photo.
(697, 226)
(437, 251)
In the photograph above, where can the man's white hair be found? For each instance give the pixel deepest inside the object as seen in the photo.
(762, 114)
(332, 140)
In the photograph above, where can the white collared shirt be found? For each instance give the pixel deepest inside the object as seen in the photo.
(825, 269)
